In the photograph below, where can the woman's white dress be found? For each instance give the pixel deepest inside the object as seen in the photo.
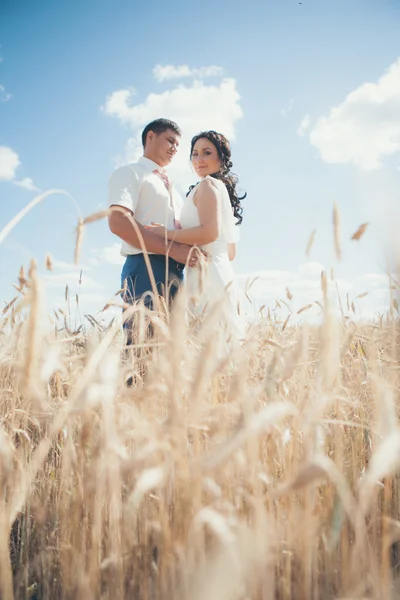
(215, 281)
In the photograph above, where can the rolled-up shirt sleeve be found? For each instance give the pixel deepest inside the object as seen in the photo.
(123, 189)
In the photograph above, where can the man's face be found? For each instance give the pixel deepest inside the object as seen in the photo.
(162, 148)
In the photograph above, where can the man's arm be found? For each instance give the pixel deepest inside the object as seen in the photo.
(123, 196)
(120, 224)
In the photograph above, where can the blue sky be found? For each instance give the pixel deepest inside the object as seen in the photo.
(80, 80)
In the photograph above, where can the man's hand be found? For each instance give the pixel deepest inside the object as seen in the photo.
(158, 229)
(180, 253)
(120, 223)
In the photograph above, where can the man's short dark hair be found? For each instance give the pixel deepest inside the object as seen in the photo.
(159, 126)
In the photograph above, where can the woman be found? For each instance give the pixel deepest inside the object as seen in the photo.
(210, 219)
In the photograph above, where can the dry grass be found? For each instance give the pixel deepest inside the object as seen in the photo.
(270, 473)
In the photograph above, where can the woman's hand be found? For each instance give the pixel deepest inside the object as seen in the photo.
(158, 229)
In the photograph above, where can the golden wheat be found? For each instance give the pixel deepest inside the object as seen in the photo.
(266, 470)
(267, 473)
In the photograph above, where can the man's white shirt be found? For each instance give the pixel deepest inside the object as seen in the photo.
(138, 188)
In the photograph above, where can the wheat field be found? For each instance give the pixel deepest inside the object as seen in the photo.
(270, 472)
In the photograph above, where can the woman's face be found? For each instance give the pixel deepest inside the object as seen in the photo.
(205, 159)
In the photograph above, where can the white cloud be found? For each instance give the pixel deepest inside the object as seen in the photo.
(162, 73)
(71, 278)
(311, 268)
(94, 262)
(195, 107)
(304, 284)
(304, 125)
(285, 111)
(59, 265)
(365, 127)
(91, 291)
(91, 303)
(112, 254)
(4, 96)
(374, 280)
(27, 184)
(9, 162)
(94, 291)
(117, 105)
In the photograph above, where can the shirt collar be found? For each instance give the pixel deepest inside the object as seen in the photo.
(150, 164)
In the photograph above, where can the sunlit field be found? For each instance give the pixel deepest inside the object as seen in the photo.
(265, 471)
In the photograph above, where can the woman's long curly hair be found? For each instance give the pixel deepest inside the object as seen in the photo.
(224, 174)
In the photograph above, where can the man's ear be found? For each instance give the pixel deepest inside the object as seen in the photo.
(150, 136)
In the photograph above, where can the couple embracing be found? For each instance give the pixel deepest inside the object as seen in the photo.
(169, 228)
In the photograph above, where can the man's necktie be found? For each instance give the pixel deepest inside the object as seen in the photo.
(168, 185)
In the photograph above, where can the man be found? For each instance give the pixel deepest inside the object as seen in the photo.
(143, 191)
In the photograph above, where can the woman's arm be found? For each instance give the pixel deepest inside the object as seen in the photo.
(232, 251)
(120, 222)
(208, 211)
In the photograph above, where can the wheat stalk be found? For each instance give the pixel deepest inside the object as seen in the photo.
(310, 242)
(336, 231)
